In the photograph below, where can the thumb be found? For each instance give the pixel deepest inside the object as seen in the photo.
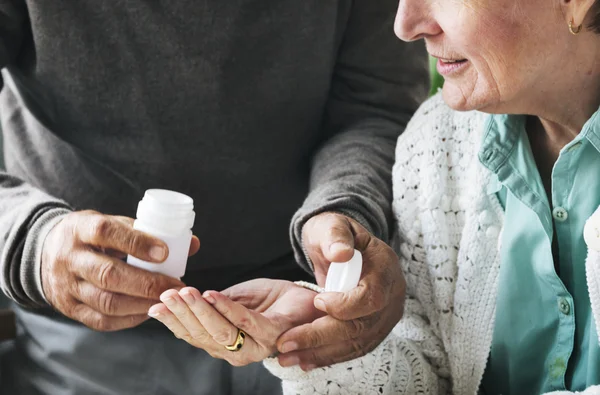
(330, 235)
(344, 306)
(338, 241)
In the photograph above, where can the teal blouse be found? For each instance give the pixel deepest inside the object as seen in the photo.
(544, 336)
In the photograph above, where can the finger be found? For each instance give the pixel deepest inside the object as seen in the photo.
(101, 322)
(194, 246)
(329, 235)
(161, 312)
(218, 327)
(109, 233)
(253, 323)
(255, 294)
(360, 301)
(110, 303)
(324, 331)
(185, 316)
(326, 356)
(112, 274)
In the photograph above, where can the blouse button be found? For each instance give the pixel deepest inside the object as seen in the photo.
(563, 306)
(560, 214)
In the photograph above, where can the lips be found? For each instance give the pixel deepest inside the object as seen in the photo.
(451, 60)
(447, 67)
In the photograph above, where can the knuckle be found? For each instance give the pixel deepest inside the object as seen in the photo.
(106, 274)
(224, 337)
(245, 324)
(187, 338)
(336, 230)
(355, 328)
(315, 339)
(107, 303)
(136, 243)
(151, 289)
(99, 226)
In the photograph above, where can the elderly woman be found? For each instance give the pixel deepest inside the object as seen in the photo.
(503, 290)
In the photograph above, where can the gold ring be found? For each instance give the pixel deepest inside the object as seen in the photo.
(239, 341)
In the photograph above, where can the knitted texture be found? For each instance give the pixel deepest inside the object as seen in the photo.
(447, 234)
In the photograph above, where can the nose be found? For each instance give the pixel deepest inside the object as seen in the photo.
(415, 20)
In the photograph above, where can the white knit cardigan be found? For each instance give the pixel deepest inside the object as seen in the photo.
(449, 227)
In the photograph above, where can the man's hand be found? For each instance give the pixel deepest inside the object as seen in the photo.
(359, 319)
(262, 308)
(85, 278)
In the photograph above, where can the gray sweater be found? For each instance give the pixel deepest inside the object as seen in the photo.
(247, 106)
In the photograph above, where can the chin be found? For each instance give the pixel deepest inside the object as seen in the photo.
(455, 99)
(458, 100)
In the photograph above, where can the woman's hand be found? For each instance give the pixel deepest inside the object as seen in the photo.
(262, 308)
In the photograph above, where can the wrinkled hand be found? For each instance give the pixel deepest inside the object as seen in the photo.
(262, 308)
(359, 319)
(85, 278)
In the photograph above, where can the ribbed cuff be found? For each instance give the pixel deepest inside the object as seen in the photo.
(31, 261)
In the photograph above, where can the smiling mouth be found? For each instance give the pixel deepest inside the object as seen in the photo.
(452, 60)
(448, 67)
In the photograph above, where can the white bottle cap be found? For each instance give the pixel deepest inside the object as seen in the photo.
(343, 276)
(170, 211)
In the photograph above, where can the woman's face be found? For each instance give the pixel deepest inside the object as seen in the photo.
(495, 55)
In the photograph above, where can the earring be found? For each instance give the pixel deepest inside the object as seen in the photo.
(574, 30)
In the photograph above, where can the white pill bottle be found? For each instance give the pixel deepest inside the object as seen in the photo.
(169, 216)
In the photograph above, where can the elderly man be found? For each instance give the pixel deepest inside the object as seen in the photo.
(256, 109)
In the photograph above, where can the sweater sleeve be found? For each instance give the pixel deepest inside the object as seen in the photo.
(377, 84)
(26, 213)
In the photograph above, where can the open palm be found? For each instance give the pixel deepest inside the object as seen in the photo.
(262, 308)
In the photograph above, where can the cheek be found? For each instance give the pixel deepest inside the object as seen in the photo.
(492, 46)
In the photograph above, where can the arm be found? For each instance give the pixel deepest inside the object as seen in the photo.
(377, 84)
(68, 260)
(26, 213)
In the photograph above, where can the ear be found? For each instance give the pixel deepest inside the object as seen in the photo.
(577, 11)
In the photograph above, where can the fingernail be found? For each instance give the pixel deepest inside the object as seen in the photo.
(319, 304)
(208, 297)
(289, 347)
(308, 368)
(153, 314)
(339, 246)
(188, 297)
(158, 253)
(169, 301)
(289, 361)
